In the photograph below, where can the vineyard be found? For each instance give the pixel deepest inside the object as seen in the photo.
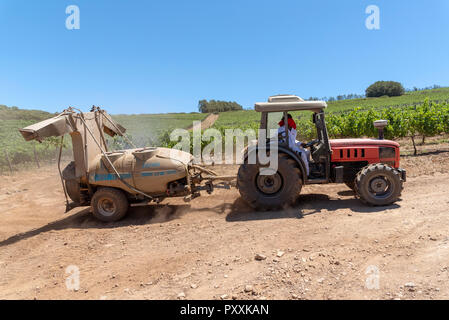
(416, 115)
(424, 120)
(410, 99)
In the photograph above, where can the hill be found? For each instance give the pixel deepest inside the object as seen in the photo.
(145, 130)
(250, 118)
(411, 98)
(149, 129)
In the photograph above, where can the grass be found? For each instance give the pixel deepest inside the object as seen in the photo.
(235, 118)
(11, 141)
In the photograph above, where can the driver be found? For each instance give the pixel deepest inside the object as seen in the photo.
(294, 144)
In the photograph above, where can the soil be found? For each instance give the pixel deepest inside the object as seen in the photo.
(328, 246)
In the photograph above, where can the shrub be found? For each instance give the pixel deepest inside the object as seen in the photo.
(385, 88)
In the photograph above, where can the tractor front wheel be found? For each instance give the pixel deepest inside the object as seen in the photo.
(378, 185)
(109, 204)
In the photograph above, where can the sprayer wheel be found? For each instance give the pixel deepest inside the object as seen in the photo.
(109, 204)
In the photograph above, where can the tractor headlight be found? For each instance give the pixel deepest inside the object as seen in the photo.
(387, 155)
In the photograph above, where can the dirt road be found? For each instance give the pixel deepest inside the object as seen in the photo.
(208, 121)
(329, 246)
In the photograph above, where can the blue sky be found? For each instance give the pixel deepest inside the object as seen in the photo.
(163, 56)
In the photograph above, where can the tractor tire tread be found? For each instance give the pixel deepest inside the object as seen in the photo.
(119, 198)
(361, 177)
(288, 195)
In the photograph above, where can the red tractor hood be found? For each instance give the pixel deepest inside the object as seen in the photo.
(361, 142)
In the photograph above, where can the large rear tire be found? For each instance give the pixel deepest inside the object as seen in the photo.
(109, 204)
(378, 185)
(270, 192)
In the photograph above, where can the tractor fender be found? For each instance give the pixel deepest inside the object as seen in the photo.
(281, 149)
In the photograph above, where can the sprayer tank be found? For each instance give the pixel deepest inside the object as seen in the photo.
(149, 170)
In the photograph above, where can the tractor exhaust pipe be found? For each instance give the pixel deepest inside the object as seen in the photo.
(380, 125)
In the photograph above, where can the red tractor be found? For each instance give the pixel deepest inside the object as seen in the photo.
(370, 167)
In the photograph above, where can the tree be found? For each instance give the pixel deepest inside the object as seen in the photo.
(211, 106)
(385, 88)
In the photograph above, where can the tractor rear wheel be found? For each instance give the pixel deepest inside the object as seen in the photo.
(378, 185)
(270, 192)
(109, 204)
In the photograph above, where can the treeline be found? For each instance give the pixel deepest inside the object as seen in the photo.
(435, 86)
(377, 89)
(205, 106)
(339, 97)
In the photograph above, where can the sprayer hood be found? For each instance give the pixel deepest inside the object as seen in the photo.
(54, 127)
(68, 122)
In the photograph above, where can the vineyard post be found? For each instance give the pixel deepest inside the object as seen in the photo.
(35, 156)
(414, 145)
(9, 162)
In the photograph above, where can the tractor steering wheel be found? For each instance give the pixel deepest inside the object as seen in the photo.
(281, 135)
(312, 143)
